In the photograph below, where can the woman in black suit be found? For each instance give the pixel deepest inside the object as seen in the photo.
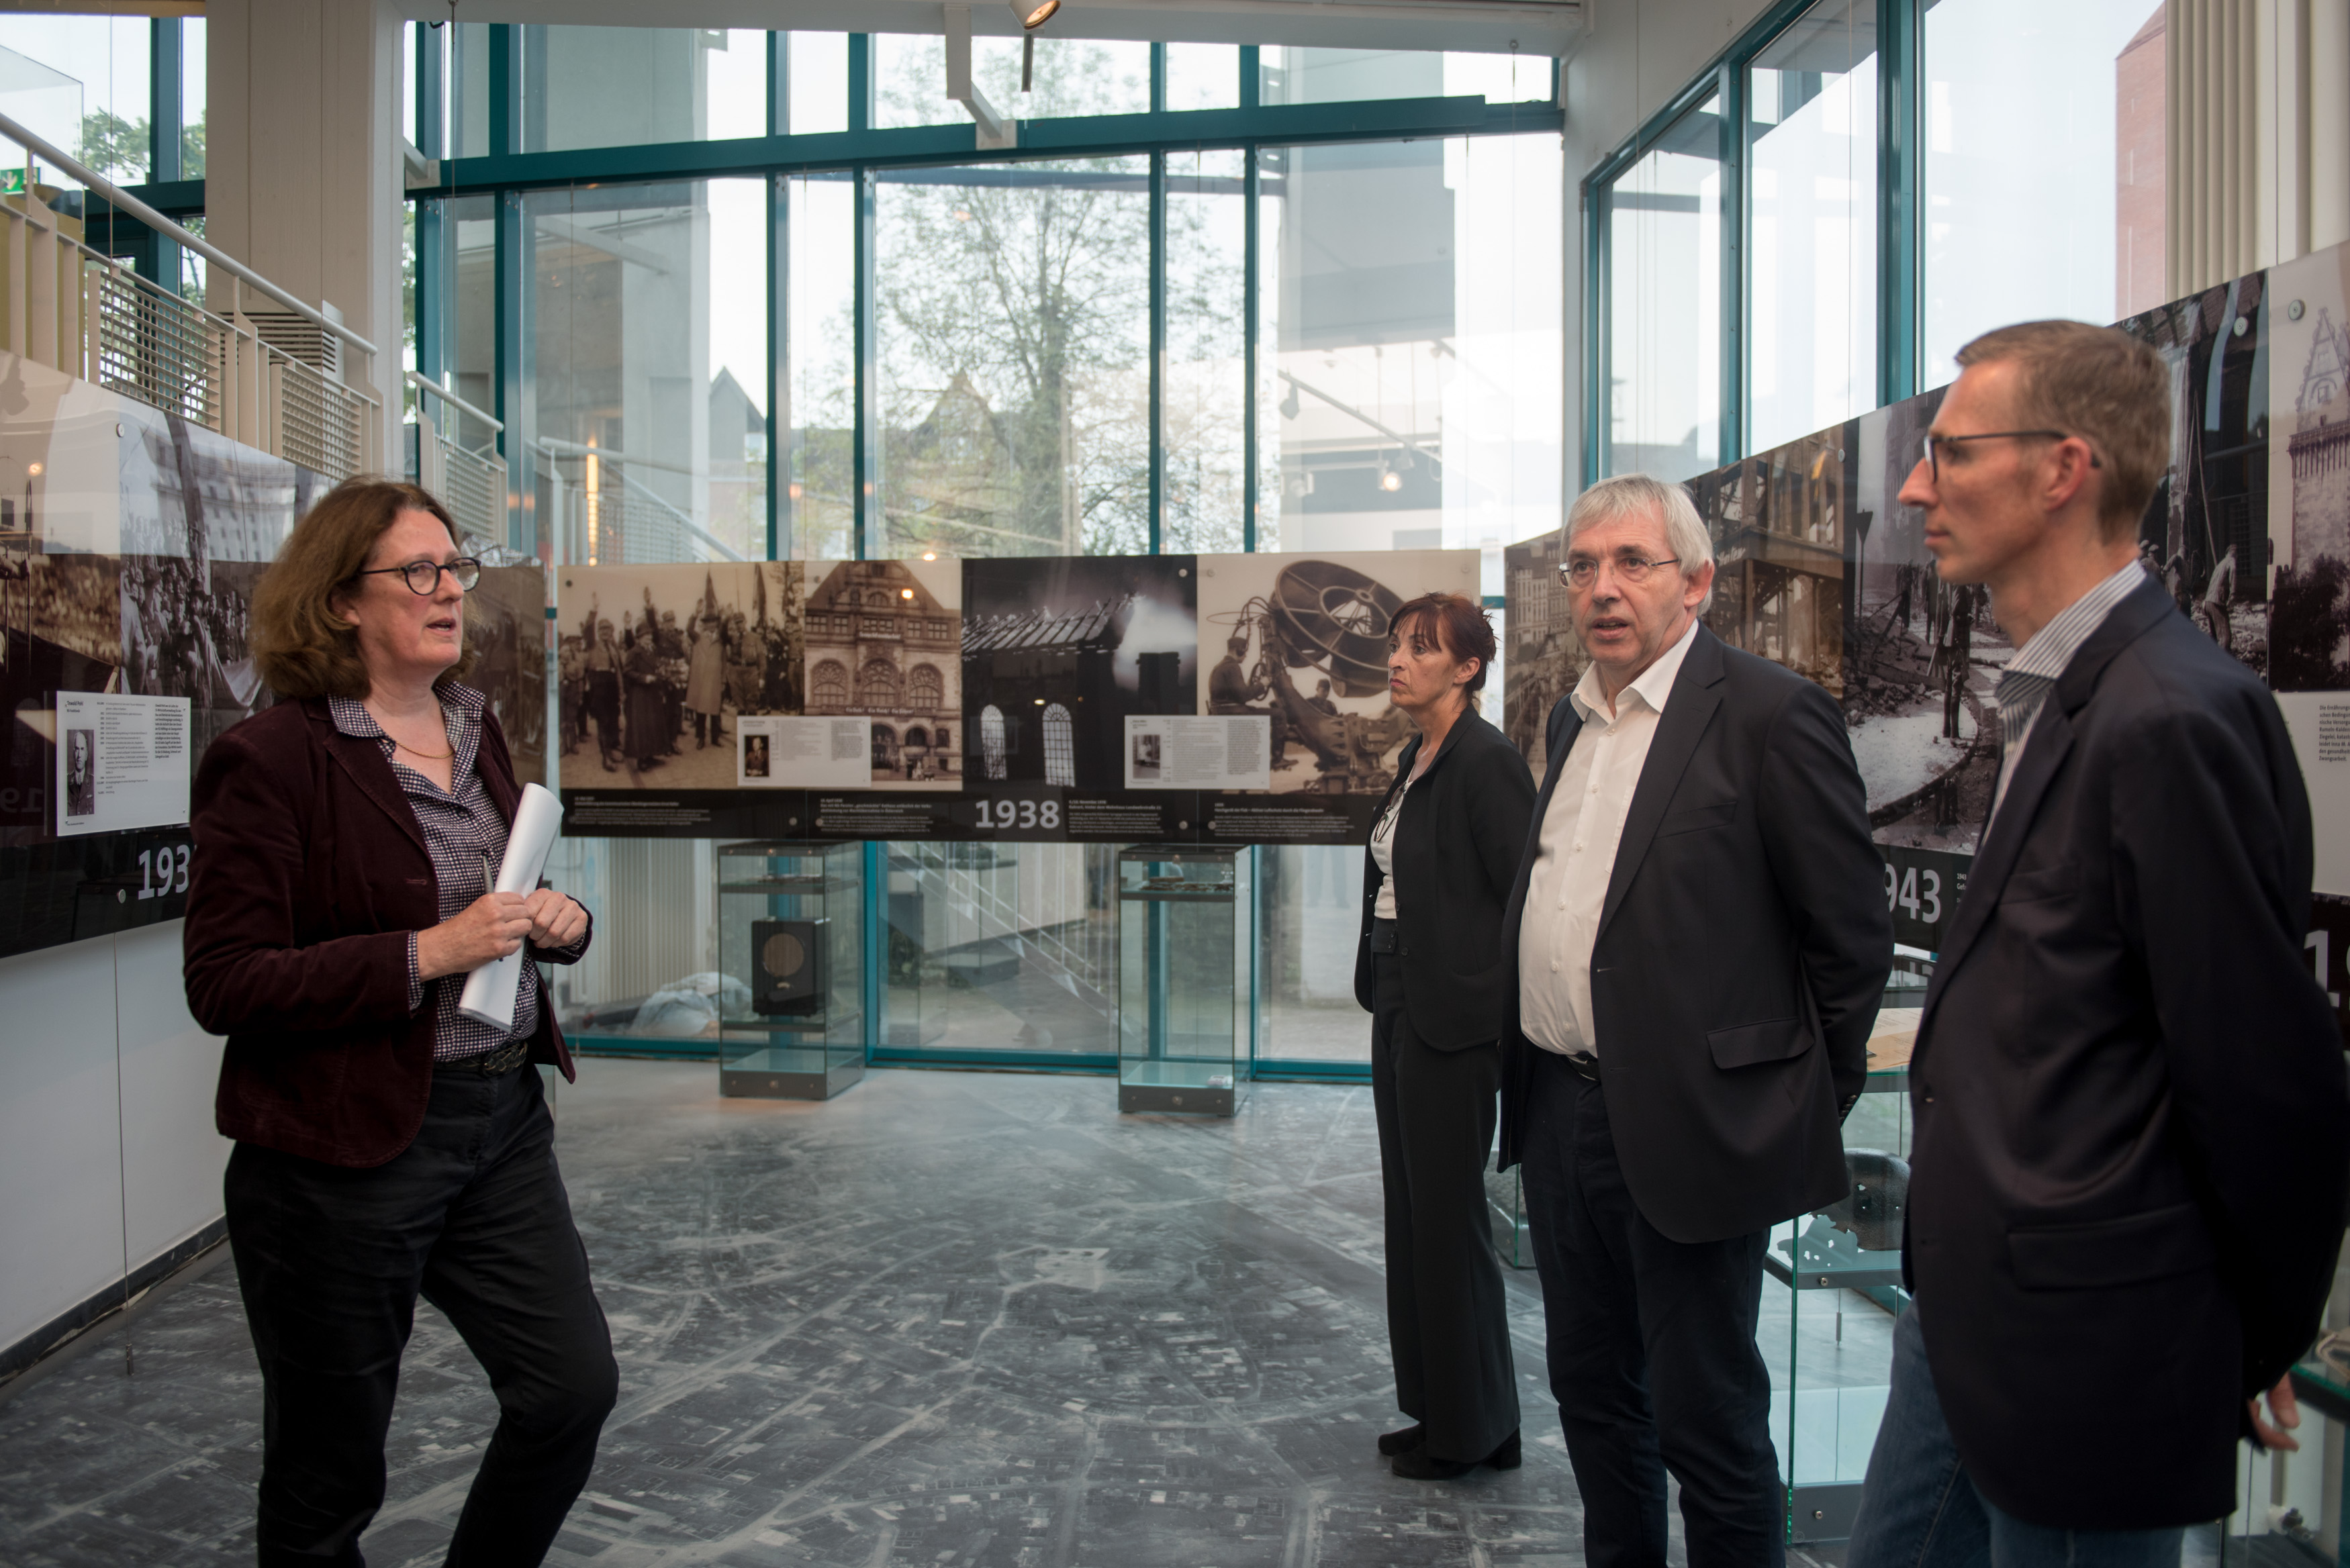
(1443, 854)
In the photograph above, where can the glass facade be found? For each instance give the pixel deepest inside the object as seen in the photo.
(1025, 353)
(1664, 327)
(1905, 175)
(1811, 106)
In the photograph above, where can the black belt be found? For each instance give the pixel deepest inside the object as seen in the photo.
(490, 1065)
(1384, 937)
(1582, 1062)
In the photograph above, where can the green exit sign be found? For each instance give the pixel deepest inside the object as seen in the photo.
(12, 182)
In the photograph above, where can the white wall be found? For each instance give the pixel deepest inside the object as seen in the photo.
(107, 1156)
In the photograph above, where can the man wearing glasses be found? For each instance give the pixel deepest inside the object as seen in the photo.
(2127, 1178)
(1701, 942)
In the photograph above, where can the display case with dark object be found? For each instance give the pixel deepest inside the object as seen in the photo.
(787, 967)
(787, 932)
(1188, 1008)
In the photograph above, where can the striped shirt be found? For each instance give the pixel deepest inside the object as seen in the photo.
(2023, 687)
(467, 838)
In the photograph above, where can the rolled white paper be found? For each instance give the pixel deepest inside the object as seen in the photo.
(490, 991)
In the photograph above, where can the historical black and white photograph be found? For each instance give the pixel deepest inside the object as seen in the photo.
(1146, 757)
(1541, 658)
(1920, 655)
(883, 640)
(201, 519)
(665, 659)
(81, 772)
(2206, 532)
(60, 630)
(1058, 651)
(506, 620)
(2309, 468)
(1303, 639)
(1779, 520)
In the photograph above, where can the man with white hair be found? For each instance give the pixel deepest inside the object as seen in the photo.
(1701, 942)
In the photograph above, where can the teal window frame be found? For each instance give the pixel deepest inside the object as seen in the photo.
(506, 174)
(1900, 25)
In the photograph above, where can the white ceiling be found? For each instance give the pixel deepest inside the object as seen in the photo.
(1535, 26)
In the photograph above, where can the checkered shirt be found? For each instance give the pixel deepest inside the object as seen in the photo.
(2024, 686)
(467, 838)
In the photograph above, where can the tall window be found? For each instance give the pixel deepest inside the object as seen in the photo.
(924, 686)
(2029, 147)
(828, 687)
(876, 686)
(1060, 758)
(991, 740)
(1811, 335)
(1663, 357)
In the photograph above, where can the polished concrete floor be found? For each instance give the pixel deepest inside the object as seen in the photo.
(947, 1319)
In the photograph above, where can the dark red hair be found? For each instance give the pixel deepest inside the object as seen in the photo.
(1462, 630)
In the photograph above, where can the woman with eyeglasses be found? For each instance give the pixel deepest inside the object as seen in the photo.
(387, 1146)
(1436, 881)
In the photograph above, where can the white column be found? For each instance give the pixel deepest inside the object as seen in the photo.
(302, 169)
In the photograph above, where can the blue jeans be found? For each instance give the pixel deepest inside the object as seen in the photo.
(1920, 1509)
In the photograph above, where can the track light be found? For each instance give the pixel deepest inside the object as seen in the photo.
(1289, 404)
(1034, 14)
(1389, 480)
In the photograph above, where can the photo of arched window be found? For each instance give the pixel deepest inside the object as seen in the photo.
(828, 686)
(885, 749)
(991, 740)
(1060, 756)
(925, 688)
(876, 686)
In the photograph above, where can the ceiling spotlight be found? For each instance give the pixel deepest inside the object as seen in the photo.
(1389, 480)
(1034, 14)
(1289, 404)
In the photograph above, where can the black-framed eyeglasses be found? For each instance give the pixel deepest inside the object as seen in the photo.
(1631, 569)
(423, 577)
(1934, 462)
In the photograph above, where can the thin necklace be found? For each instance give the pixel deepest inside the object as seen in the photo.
(432, 756)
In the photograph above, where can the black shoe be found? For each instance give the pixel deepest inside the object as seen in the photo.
(1422, 1465)
(1405, 1441)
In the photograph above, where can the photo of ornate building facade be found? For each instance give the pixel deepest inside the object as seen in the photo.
(884, 639)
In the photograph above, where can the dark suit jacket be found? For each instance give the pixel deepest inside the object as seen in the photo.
(2131, 1119)
(1741, 951)
(1456, 849)
(310, 872)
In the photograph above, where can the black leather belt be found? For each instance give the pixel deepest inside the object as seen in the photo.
(493, 1065)
(1384, 937)
(1582, 1062)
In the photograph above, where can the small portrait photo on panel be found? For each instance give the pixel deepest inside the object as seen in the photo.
(1146, 757)
(81, 772)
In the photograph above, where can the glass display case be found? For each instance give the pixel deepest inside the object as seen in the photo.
(1188, 1008)
(792, 1023)
(1828, 1335)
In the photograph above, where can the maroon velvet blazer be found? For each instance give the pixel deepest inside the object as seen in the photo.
(310, 872)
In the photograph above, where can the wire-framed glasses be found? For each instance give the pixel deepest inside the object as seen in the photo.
(423, 577)
(1934, 461)
(1584, 572)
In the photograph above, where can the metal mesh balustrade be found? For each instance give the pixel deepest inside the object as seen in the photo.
(319, 423)
(472, 487)
(152, 344)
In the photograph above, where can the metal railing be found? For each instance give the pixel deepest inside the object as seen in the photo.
(70, 307)
(472, 483)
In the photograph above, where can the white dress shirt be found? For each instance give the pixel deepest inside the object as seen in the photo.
(1567, 885)
(2024, 686)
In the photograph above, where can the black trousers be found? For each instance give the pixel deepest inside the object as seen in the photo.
(1652, 1354)
(473, 1215)
(1448, 1327)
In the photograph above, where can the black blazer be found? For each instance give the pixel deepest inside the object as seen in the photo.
(1457, 844)
(2131, 1115)
(1741, 951)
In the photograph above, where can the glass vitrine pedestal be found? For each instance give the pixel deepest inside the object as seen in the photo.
(1828, 1335)
(792, 1027)
(1187, 1013)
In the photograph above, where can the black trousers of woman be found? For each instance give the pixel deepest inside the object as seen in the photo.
(1448, 1326)
(473, 1215)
